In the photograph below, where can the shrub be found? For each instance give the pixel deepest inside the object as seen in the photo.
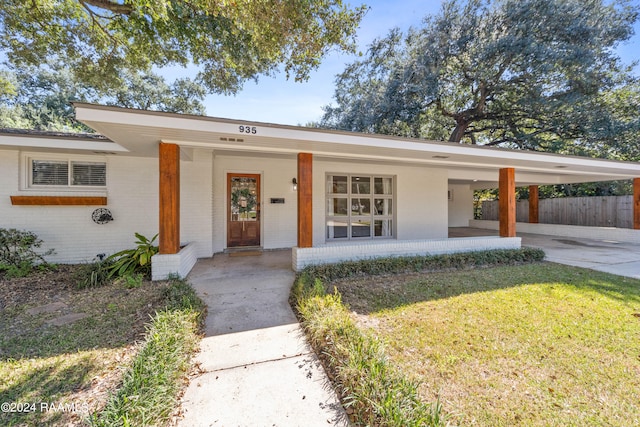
(131, 261)
(395, 265)
(93, 274)
(18, 253)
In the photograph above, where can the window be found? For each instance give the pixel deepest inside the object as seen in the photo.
(359, 207)
(66, 173)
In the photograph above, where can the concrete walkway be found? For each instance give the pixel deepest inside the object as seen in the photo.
(256, 367)
(609, 256)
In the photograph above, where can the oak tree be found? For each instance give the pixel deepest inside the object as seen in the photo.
(531, 74)
(229, 41)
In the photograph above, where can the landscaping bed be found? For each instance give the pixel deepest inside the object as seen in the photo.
(65, 350)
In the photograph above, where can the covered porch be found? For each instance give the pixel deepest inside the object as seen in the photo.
(421, 174)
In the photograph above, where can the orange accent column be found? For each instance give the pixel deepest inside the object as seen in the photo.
(305, 196)
(533, 204)
(169, 162)
(507, 202)
(636, 204)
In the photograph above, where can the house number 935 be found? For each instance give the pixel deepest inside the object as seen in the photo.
(248, 129)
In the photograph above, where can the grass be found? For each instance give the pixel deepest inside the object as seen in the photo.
(151, 385)
(536, 345)
(372, 391)
(78, 363)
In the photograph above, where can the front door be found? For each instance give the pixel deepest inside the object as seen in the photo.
(243, 223)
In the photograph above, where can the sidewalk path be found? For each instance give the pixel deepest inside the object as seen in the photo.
(257, 369)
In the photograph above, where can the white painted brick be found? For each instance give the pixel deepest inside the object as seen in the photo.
(332, 253)
(164, 265)
(132, 197)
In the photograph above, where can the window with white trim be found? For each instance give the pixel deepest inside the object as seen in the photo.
(45, 172)
(359, 206)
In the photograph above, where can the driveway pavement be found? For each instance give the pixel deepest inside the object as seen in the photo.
(603, 255)
(256, 367)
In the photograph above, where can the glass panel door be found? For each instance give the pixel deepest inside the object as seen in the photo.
(243, 225)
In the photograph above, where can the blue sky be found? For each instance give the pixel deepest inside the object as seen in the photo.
(277, 100)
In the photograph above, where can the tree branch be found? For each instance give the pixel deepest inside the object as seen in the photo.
(117, 8)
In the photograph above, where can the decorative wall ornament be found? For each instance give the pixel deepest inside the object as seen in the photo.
(101, 216)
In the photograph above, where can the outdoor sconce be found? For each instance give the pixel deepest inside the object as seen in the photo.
(295, 184)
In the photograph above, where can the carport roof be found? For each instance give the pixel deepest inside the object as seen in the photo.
(140, 132)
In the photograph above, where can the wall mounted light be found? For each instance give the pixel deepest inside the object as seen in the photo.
(295, 184)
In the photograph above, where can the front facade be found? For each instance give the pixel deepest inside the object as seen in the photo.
(210, 185)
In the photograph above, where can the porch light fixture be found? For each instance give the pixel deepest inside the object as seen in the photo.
(295, 184)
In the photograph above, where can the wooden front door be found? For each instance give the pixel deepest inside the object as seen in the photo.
(243, 200)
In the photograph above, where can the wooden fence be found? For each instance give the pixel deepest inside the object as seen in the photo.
(605, 211)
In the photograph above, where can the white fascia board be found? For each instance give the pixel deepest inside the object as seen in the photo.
(26, 142)
(304, 139)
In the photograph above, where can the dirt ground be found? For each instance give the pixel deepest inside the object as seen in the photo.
(106, 323)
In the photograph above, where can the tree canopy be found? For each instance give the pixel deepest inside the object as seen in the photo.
(229, 40)
(40, 97)
(531, 74)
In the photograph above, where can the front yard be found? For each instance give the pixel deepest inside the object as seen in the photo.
(537, 345)
(64, 350)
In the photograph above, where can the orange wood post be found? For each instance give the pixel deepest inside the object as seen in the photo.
(169, 163)
(305, 196)
(533, 204)
(507, 202)
(636, 204)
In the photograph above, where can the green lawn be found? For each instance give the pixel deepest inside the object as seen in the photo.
(539, 344)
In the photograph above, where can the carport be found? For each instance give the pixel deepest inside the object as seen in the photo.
(607, 255)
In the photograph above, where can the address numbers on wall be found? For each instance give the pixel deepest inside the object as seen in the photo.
(248, 129)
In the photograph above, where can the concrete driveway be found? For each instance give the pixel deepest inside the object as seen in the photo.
(256, 368)
(602, 255)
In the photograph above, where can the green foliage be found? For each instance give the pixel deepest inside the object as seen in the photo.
(375, 392)
(179, 295)
(18, 252)
(132, 281)
(529, 74)
(394, 265)
(41, 97)
(136, 260)
(151, 385)
(230, 42)
(94, 274)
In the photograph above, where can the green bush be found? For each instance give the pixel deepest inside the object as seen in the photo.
(92, 275)
(18, 253)
(131, 261)
(396, 265)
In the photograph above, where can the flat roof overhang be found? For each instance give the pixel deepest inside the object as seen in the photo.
(140, 132)
(59, 144)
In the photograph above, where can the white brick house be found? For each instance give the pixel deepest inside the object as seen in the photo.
(209, 185)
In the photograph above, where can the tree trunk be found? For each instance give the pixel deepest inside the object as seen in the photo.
(458, 132)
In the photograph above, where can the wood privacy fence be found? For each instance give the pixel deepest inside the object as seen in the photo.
(605, 211)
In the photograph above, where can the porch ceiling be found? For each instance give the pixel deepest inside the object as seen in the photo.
(141, 131)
